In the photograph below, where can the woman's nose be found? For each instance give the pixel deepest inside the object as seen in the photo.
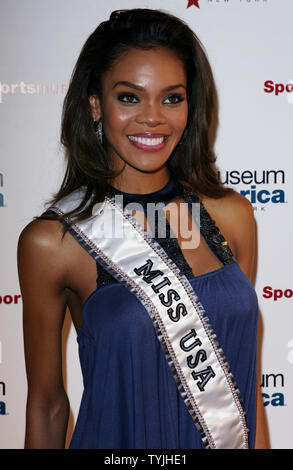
(151, 114)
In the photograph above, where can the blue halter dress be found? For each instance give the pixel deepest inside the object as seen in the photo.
(130, 398)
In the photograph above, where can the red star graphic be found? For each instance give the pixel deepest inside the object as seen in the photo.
(193, 2)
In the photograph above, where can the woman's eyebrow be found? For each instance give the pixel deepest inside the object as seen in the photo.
(140, 88)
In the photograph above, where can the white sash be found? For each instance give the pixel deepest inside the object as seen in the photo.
(198, 364)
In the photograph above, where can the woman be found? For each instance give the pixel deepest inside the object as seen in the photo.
(135, 125)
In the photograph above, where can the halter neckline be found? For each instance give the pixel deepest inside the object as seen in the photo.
(165, 194)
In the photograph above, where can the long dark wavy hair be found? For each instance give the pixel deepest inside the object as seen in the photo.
(88, 164)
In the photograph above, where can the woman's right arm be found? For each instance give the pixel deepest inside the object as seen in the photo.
(42, 278)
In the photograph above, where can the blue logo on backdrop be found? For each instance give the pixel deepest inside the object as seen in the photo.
(261, 187)
(1, 193)
(274, 381)
(2, 403)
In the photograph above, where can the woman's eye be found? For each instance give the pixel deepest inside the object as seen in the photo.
(128, 98)
(173, 99)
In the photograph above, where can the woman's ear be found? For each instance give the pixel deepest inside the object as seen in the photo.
(95, 107)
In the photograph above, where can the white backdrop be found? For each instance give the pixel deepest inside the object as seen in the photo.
(249, 44)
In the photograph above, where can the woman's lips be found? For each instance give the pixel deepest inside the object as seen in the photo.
(148, 142)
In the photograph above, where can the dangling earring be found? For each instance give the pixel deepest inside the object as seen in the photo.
(98, 127)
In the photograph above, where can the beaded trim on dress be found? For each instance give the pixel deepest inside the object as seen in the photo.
(208, 228)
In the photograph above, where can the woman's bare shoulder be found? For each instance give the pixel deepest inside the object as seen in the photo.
(41, 235)
(231, 204)
(234, 216)
(41, 258)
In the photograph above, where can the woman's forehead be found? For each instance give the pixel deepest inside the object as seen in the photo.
(145, 65)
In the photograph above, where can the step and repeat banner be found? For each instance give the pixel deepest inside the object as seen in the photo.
(249, 45)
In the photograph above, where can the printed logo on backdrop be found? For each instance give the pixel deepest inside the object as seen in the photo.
(225, 2)
(2, 397)
(193, 2)
(279, 89)
(242, 2)
(2, 389)
(1, 190)
(263, 188)
(30, 89)
(290, 352)
(273, 384)
(5, 301)
(9, 299)
(290, 94)
(276, 294)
